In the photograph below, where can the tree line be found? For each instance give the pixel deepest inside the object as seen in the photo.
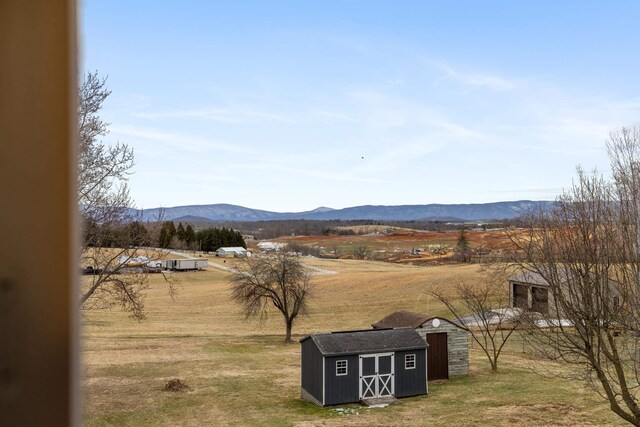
(163, 235)
(306, 227)
(211, 239)
(176, 238)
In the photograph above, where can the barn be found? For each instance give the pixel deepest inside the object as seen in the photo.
(448, 342)
(350, 366)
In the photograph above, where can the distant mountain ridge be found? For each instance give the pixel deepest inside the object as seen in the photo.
(449, 212)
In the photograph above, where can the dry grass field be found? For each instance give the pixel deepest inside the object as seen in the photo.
(241, 373)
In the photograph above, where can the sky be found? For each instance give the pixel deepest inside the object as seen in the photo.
(292, 105)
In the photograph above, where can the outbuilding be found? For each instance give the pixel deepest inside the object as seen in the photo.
(231, 252)
(530, 292)
(184, 264)
(448, 342)
(350, 366)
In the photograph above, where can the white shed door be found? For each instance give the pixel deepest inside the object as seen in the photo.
(376, 375)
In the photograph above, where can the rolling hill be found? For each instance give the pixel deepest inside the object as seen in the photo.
(468, 212)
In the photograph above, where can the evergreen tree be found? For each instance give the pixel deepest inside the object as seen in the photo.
(181, 233)
(212, 239)
(167, 232)
(172, 230)
(239, 240)
(137, 233)
(463, 250)
(163, 238)
(189, 236)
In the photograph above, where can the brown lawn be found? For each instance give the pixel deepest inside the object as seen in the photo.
(240, 373)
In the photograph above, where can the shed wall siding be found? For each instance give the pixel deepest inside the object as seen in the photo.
(410, 382)
(344, 388)
(311, 370)
(457, 344)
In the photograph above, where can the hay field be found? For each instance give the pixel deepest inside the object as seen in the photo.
(240, 373)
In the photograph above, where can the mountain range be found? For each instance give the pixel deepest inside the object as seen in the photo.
(460, 212)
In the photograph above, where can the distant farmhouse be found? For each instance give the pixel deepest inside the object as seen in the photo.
(353, 366)
(448, 352)
(233, 252)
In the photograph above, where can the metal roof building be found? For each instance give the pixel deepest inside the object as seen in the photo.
(236, 251)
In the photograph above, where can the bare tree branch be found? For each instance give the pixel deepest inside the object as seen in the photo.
(588, 251)
(479, 308)
(103, 202)
(277, 280)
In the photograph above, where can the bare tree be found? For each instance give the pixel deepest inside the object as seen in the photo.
(587, 249)
(278, 281)
(480, 309)
(361, 252)
(104, 201)
(103, 193)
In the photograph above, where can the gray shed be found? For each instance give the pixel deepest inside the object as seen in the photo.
(349, 366)
(448, 342)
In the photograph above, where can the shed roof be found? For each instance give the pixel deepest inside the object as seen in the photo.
(529, 277)
(402, 319)
(367, 341)
(535, 278)
(409, 319)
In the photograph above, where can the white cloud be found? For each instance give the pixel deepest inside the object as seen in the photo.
(293, 173)
(336, 116)
(230, 115)
(187, 142)
(483, 80)
(193, 178)
(406, 133)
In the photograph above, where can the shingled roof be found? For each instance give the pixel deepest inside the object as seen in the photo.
(367, 341)
(402, 319)
(529, 277)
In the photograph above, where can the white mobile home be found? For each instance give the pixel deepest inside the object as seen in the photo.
(185, 264)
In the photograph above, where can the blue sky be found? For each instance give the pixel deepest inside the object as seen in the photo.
(292, 105)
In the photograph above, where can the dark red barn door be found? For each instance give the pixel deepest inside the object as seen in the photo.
(437, 357)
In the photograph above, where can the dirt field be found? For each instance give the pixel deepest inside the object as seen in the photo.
(240, 373)
(398, 244)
